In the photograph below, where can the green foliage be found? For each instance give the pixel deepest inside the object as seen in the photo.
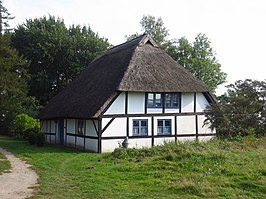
(57, 54)
(32, 137)
(24, 124)
(241, 111)
(40, 139)
(198, 57)
(215, 169)
(5, 165)
(13, 85)
(200, 60)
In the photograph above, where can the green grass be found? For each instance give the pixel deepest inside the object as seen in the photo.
(4, 164)
(229, 169)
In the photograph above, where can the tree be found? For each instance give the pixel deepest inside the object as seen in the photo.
(155, 28)
(200, 60)
(13, 85)
(57, 54)
(198, 57)
(5, 16)
(241, 111)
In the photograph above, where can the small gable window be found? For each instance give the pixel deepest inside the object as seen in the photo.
(154, 100)
(164, 127)
(80, 127)
(140, 127)
(172, 100)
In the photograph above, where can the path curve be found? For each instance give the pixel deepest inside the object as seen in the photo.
(21, 180)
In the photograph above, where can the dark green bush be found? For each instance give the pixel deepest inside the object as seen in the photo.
(40, 139)
(32, 137)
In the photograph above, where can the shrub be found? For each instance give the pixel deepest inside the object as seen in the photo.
(40, 139)
(32, 138)
(23, 124)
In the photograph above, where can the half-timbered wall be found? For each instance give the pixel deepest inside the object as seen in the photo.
(109, 130)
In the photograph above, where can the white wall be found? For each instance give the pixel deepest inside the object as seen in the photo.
(160, 141)
(187, 102)
(203, 129)
(91, 145)
(186, 124)
(136, 102)
(139, 142)
(118, 106)
(90, 129)
(116, 128)
(201, 102)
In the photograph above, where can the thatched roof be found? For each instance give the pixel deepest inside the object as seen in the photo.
(137, 65)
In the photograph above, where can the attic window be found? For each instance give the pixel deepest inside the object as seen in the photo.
(171, 100)
(154, 100)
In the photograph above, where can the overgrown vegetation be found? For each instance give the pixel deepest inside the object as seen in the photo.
(241, 111)
(4, 164)
(216, 169)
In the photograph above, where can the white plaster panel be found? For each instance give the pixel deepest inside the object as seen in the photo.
(206, 138)
(52, 126)
(116, 128)
(171, 110)
(186, 139)
(80, 142)
(154, 110)
(110, 145)
(187, 102)
(71, 126)
(186, 125)
(161, 141)
(172, 118)
(139, 118)
(44, 126)
(201, 102)
(70, 140)
(118, 106)
(139, 142)
(90, 130)
(91, 145)
(136, 102)
(203, 129)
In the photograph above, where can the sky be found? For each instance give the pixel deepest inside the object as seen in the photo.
(236, 28)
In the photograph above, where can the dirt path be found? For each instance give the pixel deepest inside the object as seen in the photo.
(21, 180)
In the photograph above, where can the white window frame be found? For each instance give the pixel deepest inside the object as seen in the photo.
(162, 130)
(140, 128)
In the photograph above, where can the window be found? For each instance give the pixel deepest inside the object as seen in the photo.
(81, 127)
(140, 127)
(154, 100)
(172, 100)
(164, 126)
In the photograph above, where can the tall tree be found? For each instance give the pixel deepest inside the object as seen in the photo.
(198, 57)
(13, 85)
(5, 16)
(57, 54)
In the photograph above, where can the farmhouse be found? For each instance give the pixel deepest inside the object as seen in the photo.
(135, 91)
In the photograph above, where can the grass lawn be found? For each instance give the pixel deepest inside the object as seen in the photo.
(4, 164)
(231, 169)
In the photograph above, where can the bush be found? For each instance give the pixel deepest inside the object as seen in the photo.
(32, 138)
(40, 139)
(24, 124)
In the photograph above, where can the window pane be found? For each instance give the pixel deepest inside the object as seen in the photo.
(144, 131)
(150, 96)
(175, 100)
(160, 123)
(160, 129)
(135, 123)
(158, 102)
(167, 123)
(150, 102)
(158, 96)
(143, 123)
(135, 131)
(167, 130)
